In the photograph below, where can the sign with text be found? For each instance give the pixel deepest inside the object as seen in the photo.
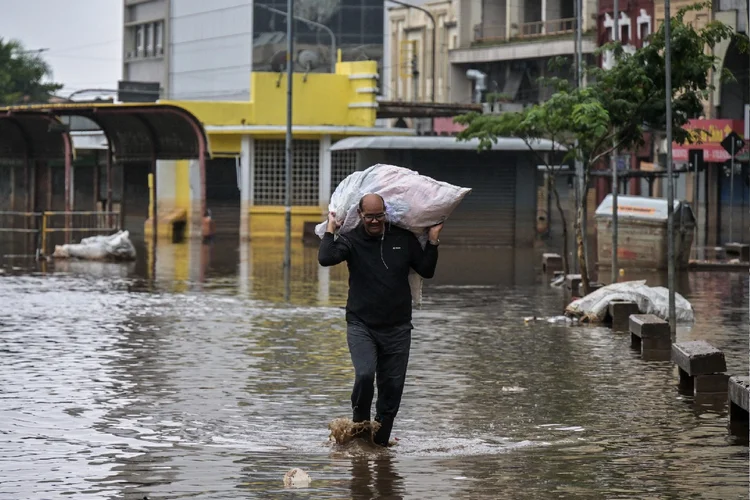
(708, 136)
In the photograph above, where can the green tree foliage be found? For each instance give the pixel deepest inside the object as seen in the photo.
(617, 105)
(22, 75)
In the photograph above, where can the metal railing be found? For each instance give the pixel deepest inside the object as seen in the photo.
(489, 33)
(19, 222)
(19, 233)
(45, 228)
(75, 225)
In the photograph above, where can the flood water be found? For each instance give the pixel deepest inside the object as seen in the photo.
(190, 376)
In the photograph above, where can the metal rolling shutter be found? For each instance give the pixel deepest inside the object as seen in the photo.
(487, 216)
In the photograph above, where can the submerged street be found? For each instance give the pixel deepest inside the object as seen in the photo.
(191, 377)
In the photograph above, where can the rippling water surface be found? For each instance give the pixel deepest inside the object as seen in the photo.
(189, 376)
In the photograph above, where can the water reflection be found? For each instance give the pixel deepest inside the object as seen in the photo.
(189, 375)
(376, 478)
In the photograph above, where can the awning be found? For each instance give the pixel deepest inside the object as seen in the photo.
(439, 143)
(31, 136)
(139, 132)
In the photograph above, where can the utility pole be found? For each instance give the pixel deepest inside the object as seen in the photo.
(414, 78)
(580, 190)
(288, 170)
(670, 176)
(615, 180)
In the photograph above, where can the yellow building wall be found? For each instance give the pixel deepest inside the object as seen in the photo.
(269, 221)
(346, 98)
(343, 99)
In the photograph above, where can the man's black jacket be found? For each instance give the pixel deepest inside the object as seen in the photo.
(379, 292)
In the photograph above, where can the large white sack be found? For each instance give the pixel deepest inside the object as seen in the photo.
(650, 300)
(113, 247)
(413, 201)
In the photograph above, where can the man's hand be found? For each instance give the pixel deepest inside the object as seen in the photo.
(332, 224)
(434, 232)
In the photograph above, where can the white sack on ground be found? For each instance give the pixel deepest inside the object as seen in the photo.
(113, 247)
(650, 300)
(413, 201)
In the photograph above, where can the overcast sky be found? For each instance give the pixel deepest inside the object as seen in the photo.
(84, 38)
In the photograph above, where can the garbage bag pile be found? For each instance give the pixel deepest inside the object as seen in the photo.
(115, 247)
(651, 300)
(413, 201)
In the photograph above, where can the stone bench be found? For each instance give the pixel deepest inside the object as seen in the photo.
(572, 284)
(739, 395)
(650, 334)
(701, 367)
(551, 262)
(741, 250)
(619, 312)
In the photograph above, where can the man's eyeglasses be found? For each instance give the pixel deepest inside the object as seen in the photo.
(373, 217)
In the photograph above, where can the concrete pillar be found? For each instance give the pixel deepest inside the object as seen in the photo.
(324, 173)
(165, 185)
(245, 278)
(465, 26)
(196, 216)
(508, 17)
(544, 16)
(247, 161)
(459, 86)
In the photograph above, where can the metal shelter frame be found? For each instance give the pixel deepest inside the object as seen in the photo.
(134, 132)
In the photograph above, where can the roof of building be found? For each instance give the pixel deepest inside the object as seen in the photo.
(440, 143)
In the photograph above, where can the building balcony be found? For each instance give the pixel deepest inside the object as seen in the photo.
(490, 34)
(532, 41)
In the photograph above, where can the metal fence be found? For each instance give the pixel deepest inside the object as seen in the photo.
(40, 231)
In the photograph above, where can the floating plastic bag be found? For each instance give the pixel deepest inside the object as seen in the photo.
(113, 247)
(413, 201)
(651, 300)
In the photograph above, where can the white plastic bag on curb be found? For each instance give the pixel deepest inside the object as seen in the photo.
(650, 300)
(113, 247)
(413, 201)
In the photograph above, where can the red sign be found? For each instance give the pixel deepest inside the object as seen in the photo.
(445, 125)
(707, 135)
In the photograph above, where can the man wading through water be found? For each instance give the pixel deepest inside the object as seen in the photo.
(378, 309)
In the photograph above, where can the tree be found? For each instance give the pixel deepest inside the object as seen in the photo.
(617, 105)
(21, 75)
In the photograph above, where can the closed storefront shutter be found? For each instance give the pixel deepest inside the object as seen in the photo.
(487, 215)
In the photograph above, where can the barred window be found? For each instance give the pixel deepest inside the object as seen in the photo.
(343, 163)
(269, 177)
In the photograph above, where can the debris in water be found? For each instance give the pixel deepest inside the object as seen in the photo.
(297, 478)
(343, 430)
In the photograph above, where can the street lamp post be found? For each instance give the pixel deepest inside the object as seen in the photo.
(288, 173)
(670, 176)
(615, 180)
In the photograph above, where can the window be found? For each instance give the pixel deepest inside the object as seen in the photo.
(146, 40)
(149, 30)
(644, 27)
(625, 34)
(139, 41)
(159, 38)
